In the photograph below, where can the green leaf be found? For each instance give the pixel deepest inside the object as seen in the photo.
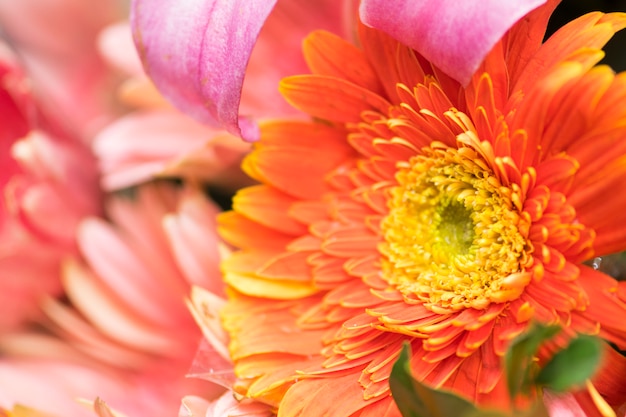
(536, 409)
(570, 367)
(415, 399)
(519, 360)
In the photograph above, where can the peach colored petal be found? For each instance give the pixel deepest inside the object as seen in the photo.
(81, 335)
(146, 144)
(225, 406)
(205, 307)
(113, 319)
(116, 263)
(193, 240)
(192, 406)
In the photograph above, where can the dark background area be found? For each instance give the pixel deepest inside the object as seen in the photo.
(570, 9)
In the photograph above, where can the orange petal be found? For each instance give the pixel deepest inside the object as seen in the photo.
(328, 54)
(330, 98)
(247, 234)
(269, 207)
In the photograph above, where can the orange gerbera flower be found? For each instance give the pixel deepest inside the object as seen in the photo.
(412, 209)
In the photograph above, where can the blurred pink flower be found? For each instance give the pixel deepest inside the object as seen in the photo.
(56, 42)
(44, 374)
(126, 318)
(127, 297)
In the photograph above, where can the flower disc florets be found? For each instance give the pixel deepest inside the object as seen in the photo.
(452, 236)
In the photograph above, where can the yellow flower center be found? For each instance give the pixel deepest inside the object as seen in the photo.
(452, 238)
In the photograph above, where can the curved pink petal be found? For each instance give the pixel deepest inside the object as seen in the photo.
(196, 51)
(454, 35)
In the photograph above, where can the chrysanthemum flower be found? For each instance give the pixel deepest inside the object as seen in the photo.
(411, 209)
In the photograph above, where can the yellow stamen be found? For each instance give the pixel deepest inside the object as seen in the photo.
(453, 234)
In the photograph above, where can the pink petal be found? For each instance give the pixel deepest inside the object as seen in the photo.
(121, 269)
(140, 145)
(562, 405)
(205, 307)
(454, 35)
(212, 41)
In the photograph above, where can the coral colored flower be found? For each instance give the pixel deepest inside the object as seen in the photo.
(411, 209)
